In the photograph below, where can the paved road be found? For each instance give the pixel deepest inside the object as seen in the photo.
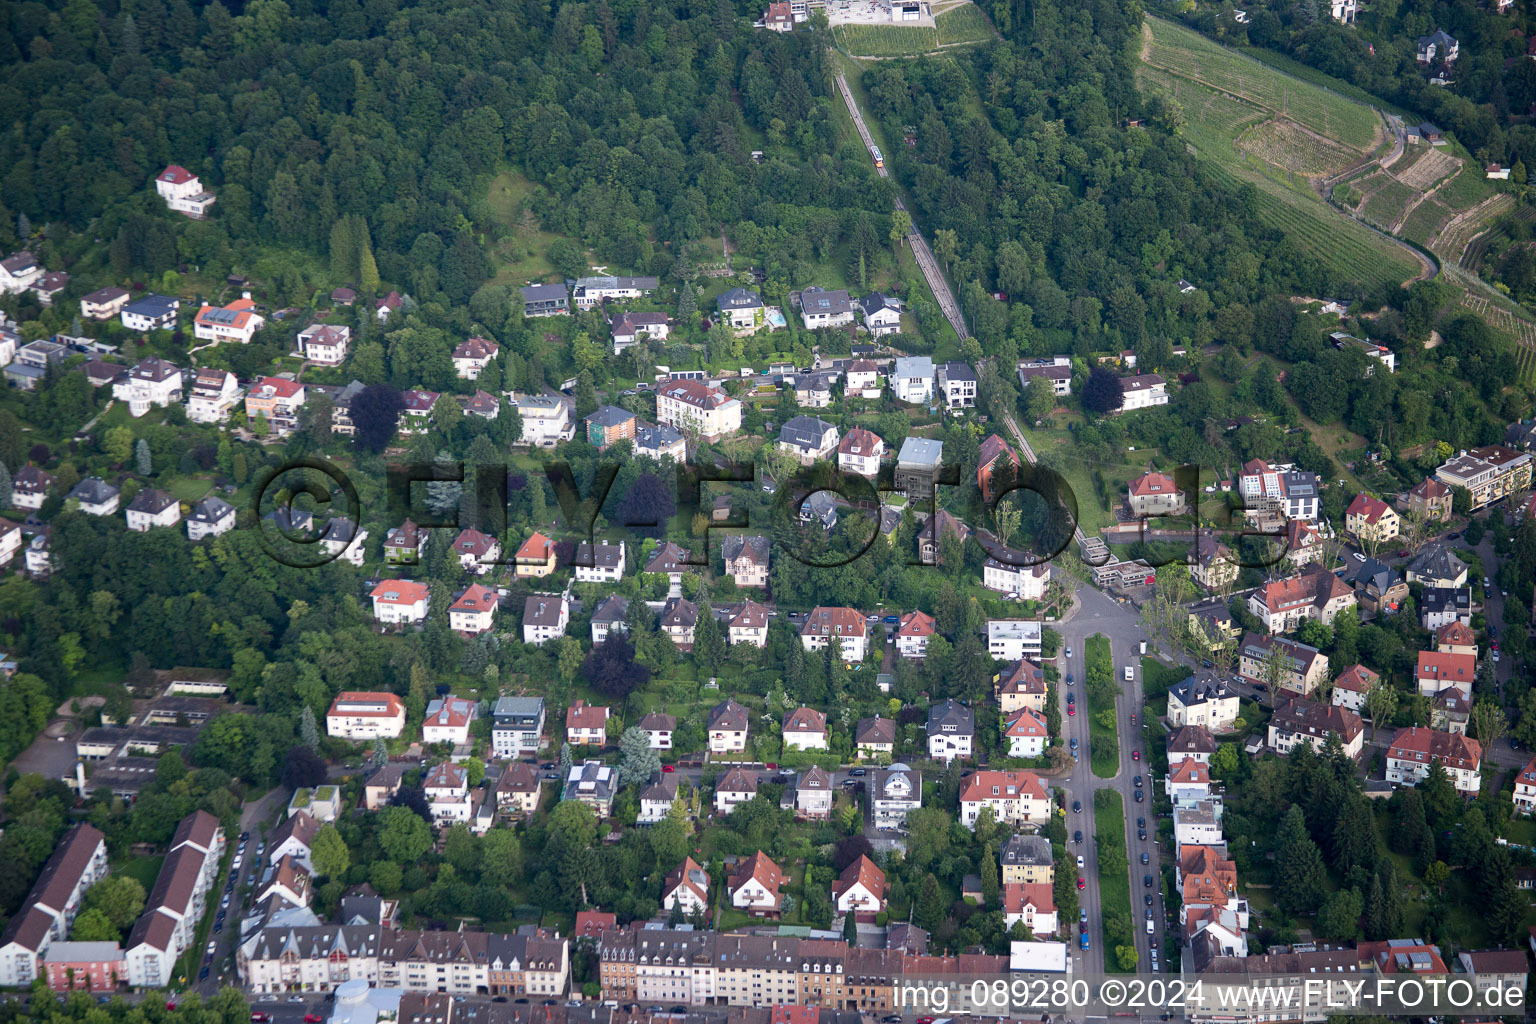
(920, 251)
(1097, 613)
(237, 885)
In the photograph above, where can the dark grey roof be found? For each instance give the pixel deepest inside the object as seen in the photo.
(1445, 599)
(754, 547)
(610, 416)
(680, 612)
(601, 556)
(1370, 572)
(657, 438)
(739, 298)
(93, 491)
(1199, 689)
(152, 306)
(875, 302)
(952, 713)
(825, 302)
(1031, 851)
(211, 510)
(805, 432)
(612, 608)
(151, 501)
(543, 292)
(1436, 562)
(957, 371)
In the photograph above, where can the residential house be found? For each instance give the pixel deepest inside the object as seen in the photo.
(1191, 743)
(344, 539)
(78, 862)
(609, 425)
(177, 902)
(1308, 721)
(860, 890)
(378, 789)
(727, 727)
(405, 544)
(873, 737)
(545, 617)
(518, 789)
(183, 192)
(862, 379)
(1303, 543)
(1437, 47)
(49, 286)
(446, 787)
(749, 625)
(994, 451)
(237, 321)
(694, 405)
(1204, 700)
(882, 314)
(1032, 904)
(894, 792)
(546, 420)
(210, 518)
(610, 615)
(1351, 687)
(1026, 734)
(477, 552)
(1525, 789)
(951, 731)
(746, 559)
(152, 507)
(1456, 638)
(1154, 494)
(535, 559)
(1487, 474)
(1019, 686)
(1014, 798)
(1015, 577)
(808, 439)
(215, 393)
(104, 304)
(1215, 566)
(325, 344)
(590, 291)
(483, 404)
(805, 729)
(473, 611)
(603, 563)
(1413, 750)
(100, 373)
(1378, 587)
(686, 886)
(912, 634)
(18, 272)
(1283, 605)
(97, 967)
(151, 313)
(276, 400)
(1450, 710)
(1501, 971)
(658, 729)
(843, 626)
(1440, 606)
(10, 541)
(1372, 351)
(917, 467)
(754, 886)
(657, 797)
(416, 411)
(31, 361)
(151, 383)
(95, 496)
(1371, 520)
(810, 796)
(671, 560)
(956, 386)
(447, 720)
(742, 309)
(517, 726)
(1438, 669)
(679, 618)
(912, 379)
(1437, 566)
(30, 487)
(1282, 490)
(1056, 369)
(1188, 782)
(1014, 639)
(1430, 499)
(472, 355)
(356, 715)
(821, 307)
(587, 724)
(736, 786)
(287, 883)
(1027, 859)
(594, 784)
(1143, 392)
(930, 536)
(660, 443)
(629, 328)
(1301, 668)
(545, 300)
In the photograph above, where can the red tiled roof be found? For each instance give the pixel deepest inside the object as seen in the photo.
(176, 174)
(979, 786)
(1153, 483)
(1369, 507)
(860, 871)
(399, 592)
(916, 623)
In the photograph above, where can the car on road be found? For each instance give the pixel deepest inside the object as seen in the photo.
(1149, 899)
(1139, 797)
(1495, 657)
(1135, 755)
(1069, 679)
(894, 1018)
(1077, 836)
(1069, 650)
(312, 1018)
(1453, 536)
(1144, 858)
(1082, 883)
(295, 999)
(1071, 709)
(1141, 822)
(218, 926)
(1133, 719)
(268, 998)
(1074, 742)
(260, 1016)
(202, 975)
(1083, 940)
(211, 947)
(1137, 781)
(1082, 927)
(1130, 674)
(243, 837)
(892, 620)
(667, 769)
(925, 1020)
(1141, 834)
(1146, 880)
(1077, 807)
(858, 772)
(1082, 915)
(1151, 928)
(1079, 862)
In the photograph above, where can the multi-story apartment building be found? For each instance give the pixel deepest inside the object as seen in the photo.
(1487, 474)
(1279, 489)
(694, 405)
(1413, 750)
(276, 400)
(215, 393)
(517, 726)
(356, 715)
(78, 862)
(1284, 605)
(845, 626)
(1301, 668)
(1018, 798)
(1308, 721)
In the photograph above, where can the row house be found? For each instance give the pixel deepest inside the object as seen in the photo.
(175, 905)
(314, 958)
(46, 915)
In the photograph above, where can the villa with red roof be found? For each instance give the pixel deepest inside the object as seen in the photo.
(860, 889)
(536, 558)
(1353, 684)
(278, 399)
(183, 192)
(913, 633)
(754, 886)
(1026, 734)
(1371, 520)
(1032, 904)
(1438, 669)
(400, 601)
(472, 611)
(357, 715)
(237, 321)
(1154, 494)
(1019, 798)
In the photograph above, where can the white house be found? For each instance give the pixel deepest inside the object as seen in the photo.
(183, 192)
(862, 379)
(151, 313)
(1414, 749)
(236, 322)
(692, 404)
(727, 726)
(820, 307)
(324, 344)
(357, 715)
(912, 379)
(882, 314)
(1204, 700)
(629, 328)
(846, 627)
(152, 382)
(1525, 789)
(957, 386)
(447, 790)
(1026, 734)
(545, 617)
(396, 602)
(742, 309)
(951, 731)
(912, 634)
(344, 539)
(860, 889)
(1143, 392)
(18, 271)
(687, 887)
(1017, 798)
(104, 304)
(447, 720)
(805, 729)
(210, 518)
(754, 886)
(736, 786)
(473, 355)
(546, 419)
(590, 291)
(95, 496)
(658, 729)
(473, 611)
(1022, 582)
(1032, 904)
(587, 724)
(601, 564)
(215, 393)
(860, 453)
(1014, 639)
(151, 508)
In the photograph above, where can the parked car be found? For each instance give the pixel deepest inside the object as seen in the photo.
(1077, 807)
(1135, 755)
(1081, 882)
(1077, 836)
(858, 772)
(1146, 880)
(1144, 858)
(1139, 797)
(1137, 781)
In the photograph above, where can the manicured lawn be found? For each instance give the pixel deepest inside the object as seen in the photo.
(1114, 878)
(190, 488)
(1103, 739)
(144, 869)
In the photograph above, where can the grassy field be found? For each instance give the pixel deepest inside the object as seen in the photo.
(519, 256)
(1114, 877)
(1103, 738)
(964, 24)
(886, 40)
(1223, 95)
